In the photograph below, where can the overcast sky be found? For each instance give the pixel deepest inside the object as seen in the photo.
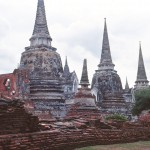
(76, 27)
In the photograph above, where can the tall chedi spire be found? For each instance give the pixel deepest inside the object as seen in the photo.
(106, 60)
(106, 83)
(84, 82)
(141, 80)
(40, 36)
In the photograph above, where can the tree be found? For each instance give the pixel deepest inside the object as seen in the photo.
(142, 101)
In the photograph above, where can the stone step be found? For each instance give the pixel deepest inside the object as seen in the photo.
(44, 85)
(46, 90)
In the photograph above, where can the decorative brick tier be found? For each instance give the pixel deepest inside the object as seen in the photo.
(83, 111)
(83, 105)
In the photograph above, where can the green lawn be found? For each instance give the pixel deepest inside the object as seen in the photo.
(128, 146)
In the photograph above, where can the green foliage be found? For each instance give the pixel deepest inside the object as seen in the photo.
(118, 117)
(142, 101)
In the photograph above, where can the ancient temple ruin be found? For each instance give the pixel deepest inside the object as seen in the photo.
(45, 68)
(41, 81)
(40, 85)
(141, 81)
(106, 83)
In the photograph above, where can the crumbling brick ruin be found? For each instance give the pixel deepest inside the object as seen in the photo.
(34, 113)
(70, 139)
(14, 118)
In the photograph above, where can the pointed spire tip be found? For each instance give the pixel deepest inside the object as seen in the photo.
(66, 68)
(84, 78)
(106, 54)
(66, 62)
(40, 31)
(141, 74)
(127, 84)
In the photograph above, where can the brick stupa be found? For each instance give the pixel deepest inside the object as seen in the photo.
(83, 105)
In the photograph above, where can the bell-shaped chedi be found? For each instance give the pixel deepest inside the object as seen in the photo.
(83, 105)
(45, 68)
(106, 83)
(40, 57)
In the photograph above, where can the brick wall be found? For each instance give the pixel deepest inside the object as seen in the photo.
(19, 81)
(68, 140)
(14, 118)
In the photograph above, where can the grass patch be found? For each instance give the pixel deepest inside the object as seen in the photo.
(142, 145)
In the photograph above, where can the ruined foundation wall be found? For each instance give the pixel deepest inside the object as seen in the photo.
(14, 119)
(68, 140)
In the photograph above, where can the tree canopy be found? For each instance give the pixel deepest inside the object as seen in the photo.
(142, 101)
